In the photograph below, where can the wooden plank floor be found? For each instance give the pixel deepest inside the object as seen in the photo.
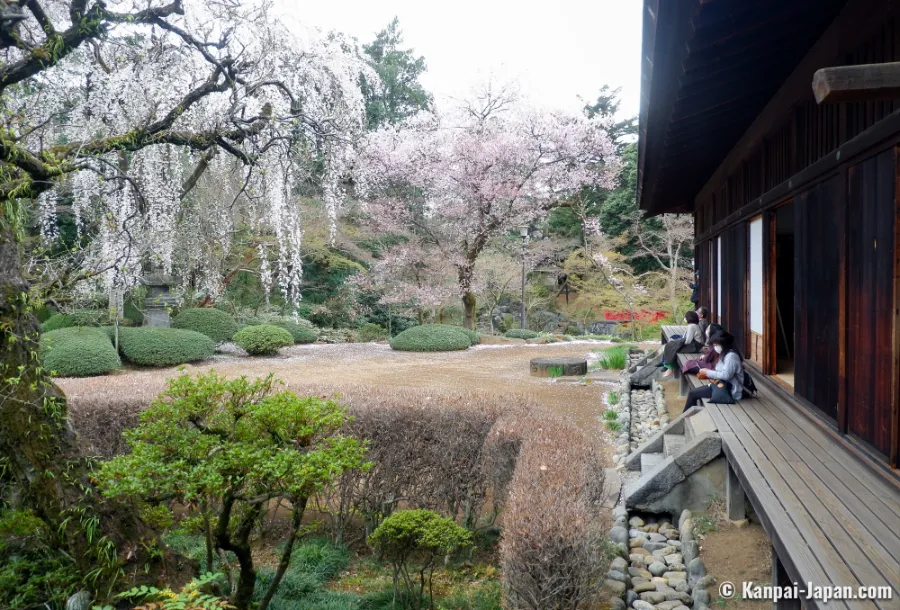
(831, 520)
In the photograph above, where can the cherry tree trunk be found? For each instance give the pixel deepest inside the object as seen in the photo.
(40, 448)
(469, 310)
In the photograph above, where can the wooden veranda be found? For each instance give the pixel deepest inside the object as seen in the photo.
(832, 518)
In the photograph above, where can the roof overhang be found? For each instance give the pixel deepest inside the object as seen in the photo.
(708, 69)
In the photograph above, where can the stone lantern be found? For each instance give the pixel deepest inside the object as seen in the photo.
(159, 299)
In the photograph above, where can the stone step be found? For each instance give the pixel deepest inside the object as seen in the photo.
(699, 423)
(649, 461)
(673, 443)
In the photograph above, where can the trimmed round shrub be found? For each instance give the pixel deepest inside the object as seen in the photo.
(214, 323)
(87, 317)
(57, 321)
(431, 338)
(474, 337)
(78, 352)
(371, 332)
(263, 340)
(300, 333)
(521, 333)
(156, 346)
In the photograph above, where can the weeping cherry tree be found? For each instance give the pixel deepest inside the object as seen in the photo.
(120, 109)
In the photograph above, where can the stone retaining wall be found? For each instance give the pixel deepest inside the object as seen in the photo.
(642, 412)
(657, 565)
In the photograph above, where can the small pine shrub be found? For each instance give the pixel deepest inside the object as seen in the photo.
(78, 352)
(613, 398)
(521, 333)
(369, 332)
(610, 415)
(214, 323)
(263, 340)
(613, 426)
(155, 346)
(431, 338)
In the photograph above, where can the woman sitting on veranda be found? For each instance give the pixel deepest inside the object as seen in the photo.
(691, 343)
(729, 368)
(710, 357)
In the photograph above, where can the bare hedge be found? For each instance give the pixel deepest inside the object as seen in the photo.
(477, 458)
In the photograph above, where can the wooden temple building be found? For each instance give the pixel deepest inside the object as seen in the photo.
(776, 124)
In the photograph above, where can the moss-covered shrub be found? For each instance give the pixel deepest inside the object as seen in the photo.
(78, 352)
(301, 333)
(156, 346)
(521, 333)
(263, 340)
(214, 323)
(371, 332)
(431, 338)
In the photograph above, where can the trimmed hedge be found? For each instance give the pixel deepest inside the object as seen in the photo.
(431, 338)
(156, 346)
(214, 323)
(300, 333)
(263, 340)
(87, 317)
(521, 333)
(78, 352)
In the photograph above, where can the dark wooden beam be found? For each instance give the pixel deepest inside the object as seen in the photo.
(858, 20)
(864, 83)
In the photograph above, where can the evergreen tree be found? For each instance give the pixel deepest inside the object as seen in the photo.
(399, 95)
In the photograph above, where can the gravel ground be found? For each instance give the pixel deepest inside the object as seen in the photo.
(495, 369)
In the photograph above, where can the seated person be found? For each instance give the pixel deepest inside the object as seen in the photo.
(710, 357)
(691, 343)
(703, 314)
(729, 368)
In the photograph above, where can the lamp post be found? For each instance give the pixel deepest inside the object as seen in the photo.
(524, 233)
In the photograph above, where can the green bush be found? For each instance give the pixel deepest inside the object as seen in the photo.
(156, 346)
(214, 323)
(371, 332)
(431, 338)
(414, 541)
(263, 340)
(521, 333)
(299, 332)
(78, 352)
(34, 572)
(474, 337)
(87, 317)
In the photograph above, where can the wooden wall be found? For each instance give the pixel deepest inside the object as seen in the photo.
(838, 164)
(818, 243)
(870, 299)
(807, 133)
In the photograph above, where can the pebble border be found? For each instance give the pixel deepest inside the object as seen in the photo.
(657, 566)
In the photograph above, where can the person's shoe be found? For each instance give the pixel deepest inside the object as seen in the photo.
(667, 374)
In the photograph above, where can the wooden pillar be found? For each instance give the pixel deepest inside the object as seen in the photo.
(734, 496)
(781, 579)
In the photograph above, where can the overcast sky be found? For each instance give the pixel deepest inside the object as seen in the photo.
(556, 50)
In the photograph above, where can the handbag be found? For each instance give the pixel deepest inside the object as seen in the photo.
(691, 367)
(721, 394)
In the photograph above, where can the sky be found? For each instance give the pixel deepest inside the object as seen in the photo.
(555, 50)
